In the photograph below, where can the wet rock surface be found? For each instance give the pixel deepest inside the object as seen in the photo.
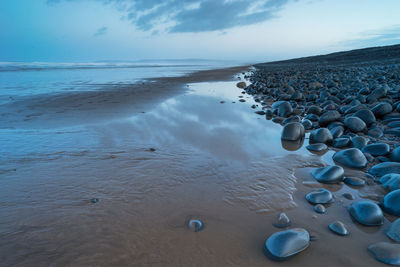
(367, 213)
(352, 158)
(386, 252)
(338, 228)
(329, 175)
(319, 196)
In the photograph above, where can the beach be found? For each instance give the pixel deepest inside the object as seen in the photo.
(113, 177)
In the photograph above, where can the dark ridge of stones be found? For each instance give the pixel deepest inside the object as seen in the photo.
(351, 157)
(317, 147)
(328, 117)
(321, 135)
(285, 244)
(282, 221)
(366, 115)
(354, 124)
(377, 149)
(338, 228)
(354, 181)
(394, 231)
(293, 131)
(366, 213)
(384, 168)
(319, 196)
(386, 252)
(329, 175)
(391, 202)
(319, 208)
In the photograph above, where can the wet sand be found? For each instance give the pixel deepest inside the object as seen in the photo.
(217, 162)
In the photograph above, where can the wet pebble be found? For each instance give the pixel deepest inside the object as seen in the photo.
(394, 231)
(338, 228)
(282, 221)
(355, 124)
(348, 196)
(321, 135)
(386, 252)
(319, 208)
(319, 196)
(94, 200)
(391, 202)
(329, 174)
(390, 181)
(385, 168)
(195, 225)
(317, 147)
(366, 213)
(293, 131)
(340, 142)
(352, 158)
(285, 244)
(354, 181)
(366, 115)
(377, 149)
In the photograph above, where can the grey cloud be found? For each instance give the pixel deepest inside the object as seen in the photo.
(194, 15)
(101, 31)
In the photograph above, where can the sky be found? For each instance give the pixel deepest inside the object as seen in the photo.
(243, 30)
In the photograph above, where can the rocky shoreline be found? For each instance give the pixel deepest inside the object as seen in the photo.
(348, 102)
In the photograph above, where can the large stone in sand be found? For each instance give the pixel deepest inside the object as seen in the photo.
(385, 168)
(366, 212)
(352, 158)
(386, 252)
(293, 131)
(328, 175)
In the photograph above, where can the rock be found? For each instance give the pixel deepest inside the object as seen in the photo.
(385, 168)
(328, 175)
(337, 131)
(241, 85)
(285, 244)
(282, 221)
(381, 109)
(317, 147)
(295, 118)
(348, 196)
(366, 115)
(338, 228)
(395, 155)
(394, 124)
(293, 131)
(314, 110)
(375, 132)
(321, 135)
(328, 117)
(340, 142)
(394, 231)
(312, 117)
(366, 212)
(354, 181)
(307, 124)
(390, 181)
(352, 158)
(386, 252)
(355, 124)
(319, 208)
(285, 109)
(94, 200)
(358, 141)
(377, 149)
(319, 196)
(195, 225)
(391, 202)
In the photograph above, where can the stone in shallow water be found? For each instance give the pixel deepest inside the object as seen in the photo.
(282, 221)
(354, 181)
(319, 196)
(293, 131)
(319, 208)
(195, 225)
(355, 124)
(338, 228)
(352, 158)
(377, 149)
(318, 147)
(329, 174)
(394, 231)
(385, 168)
(366, 212)
(285, 244)
(321, 135)
(391, 202)
(386, 252)
(390, 181)
(348, 196)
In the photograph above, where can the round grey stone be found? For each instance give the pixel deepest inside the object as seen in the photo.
(329, 174)
(352, 158)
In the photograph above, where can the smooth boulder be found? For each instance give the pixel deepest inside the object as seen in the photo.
(377, 149)
(321, 135)
(293, 131)
(366, 115)
(366, 213)
(355, 124)
(394, 231)
(391, 202)
(385, 168)
(319, 196)
(317, 147)
(390, 181)
(386, 252)
(328, 175)
(338, 228)
(285, 244)
(352, 158)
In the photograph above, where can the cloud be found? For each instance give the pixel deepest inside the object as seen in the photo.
(386, 36)
(101, 31)
(193, 15)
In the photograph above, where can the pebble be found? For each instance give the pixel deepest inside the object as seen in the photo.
(354, 181)
(293, 131)
(377, 149)
(355, 124)
(366, 212)
(394, 231)
(391, 202)
(348, 196)
(319, 196)
(385, 168)
(328, 175)
(328, 117)
(339, 228)
(386, 252)
(351, 157)
(285, 244)
(340, 142)
(195, 225)
(395, 155)
(381, 109)
(321, 135)
(283, 221)
(390, 181)
(358, 141)
(319, 208)
(317, 147)
(366, 115)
